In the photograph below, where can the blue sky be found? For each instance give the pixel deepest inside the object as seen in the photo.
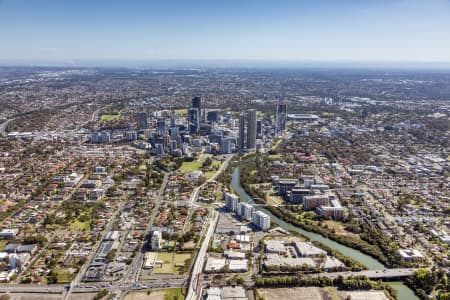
(297, 30)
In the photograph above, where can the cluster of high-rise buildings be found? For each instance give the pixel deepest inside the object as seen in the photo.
(247, 212)
(250, 127)
(165, 134)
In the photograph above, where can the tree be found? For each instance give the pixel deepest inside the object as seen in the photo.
(445, 296)
(207, 162)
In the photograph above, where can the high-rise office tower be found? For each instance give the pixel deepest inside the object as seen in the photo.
(194, 120)
(142, 120)
(281, 118)
(241, 131)
(174, 132)
(197, 103)
(161, 126)
(172, 120)
(251, 129)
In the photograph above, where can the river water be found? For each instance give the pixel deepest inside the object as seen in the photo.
(403, 292)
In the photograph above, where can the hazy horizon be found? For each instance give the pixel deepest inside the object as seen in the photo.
(230, 64)
(324, 31)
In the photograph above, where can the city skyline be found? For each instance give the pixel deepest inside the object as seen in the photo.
(347, 32)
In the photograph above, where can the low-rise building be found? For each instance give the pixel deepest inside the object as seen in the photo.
(238, 265)
(306, 249)
(9, 233)
(411, 254)
(214, 265)
(275, 260)
(275, 246)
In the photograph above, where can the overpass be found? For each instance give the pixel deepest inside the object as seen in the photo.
(373, 274)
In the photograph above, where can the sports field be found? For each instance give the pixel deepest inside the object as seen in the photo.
(109, 117)
(191, 166)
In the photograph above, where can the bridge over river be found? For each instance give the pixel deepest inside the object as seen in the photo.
(373, 274)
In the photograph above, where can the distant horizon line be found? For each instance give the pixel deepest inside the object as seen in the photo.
(226, 63)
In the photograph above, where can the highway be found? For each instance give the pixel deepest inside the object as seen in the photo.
(31, 288)
(93, 287)
(200, 259)
(3, 127)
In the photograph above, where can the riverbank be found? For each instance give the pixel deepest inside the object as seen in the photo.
(370, 262)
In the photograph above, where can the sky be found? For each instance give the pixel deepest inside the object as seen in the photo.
(278, 30)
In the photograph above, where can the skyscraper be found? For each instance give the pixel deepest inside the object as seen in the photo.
(241, 131)
(197, 103)
(172, 120)
(281, 118)
(251, 129)
(161, 126)
(142, 120)
(194, 120)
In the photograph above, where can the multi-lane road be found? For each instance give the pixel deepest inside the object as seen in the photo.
(193, 292)
(94, 287)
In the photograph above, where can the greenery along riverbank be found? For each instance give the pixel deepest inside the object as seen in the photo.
(255, 169)
(426, 282)
(350, 283)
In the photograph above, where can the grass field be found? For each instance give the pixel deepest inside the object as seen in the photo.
(216, 164)
(274, 200)
(172, 294)
(208, 175)
(166, 294)
(170, 260)
(79, 226)
(332, 293)
(181, 112)
(340, 229)
(180, 259)
(191, 166)
(109, 117)
(64, 275)
(3, 243)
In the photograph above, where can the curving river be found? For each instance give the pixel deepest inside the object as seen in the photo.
(404, 293)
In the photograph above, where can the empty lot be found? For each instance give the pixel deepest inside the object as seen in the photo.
(304, 293)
